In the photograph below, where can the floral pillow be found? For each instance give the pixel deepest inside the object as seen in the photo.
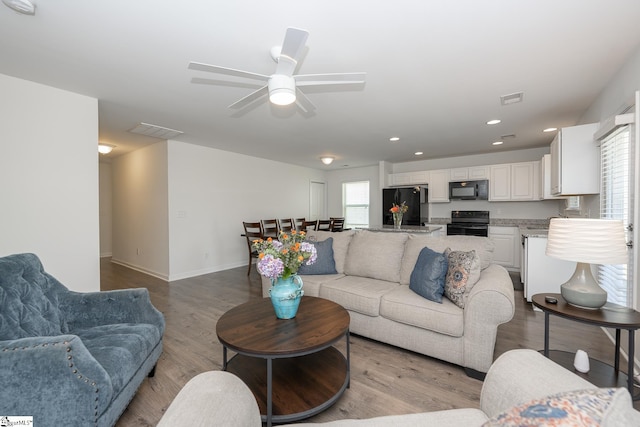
(577, 408)
(463, 272)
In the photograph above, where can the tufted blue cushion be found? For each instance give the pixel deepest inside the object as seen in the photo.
(325, 263)
(29, 299)
(427, 277)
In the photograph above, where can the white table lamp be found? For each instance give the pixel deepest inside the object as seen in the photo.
(586, 241)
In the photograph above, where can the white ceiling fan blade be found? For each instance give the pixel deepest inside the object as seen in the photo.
(294, 41)
(228, 71)
(252, 97)
(329, 79)
(304, 102)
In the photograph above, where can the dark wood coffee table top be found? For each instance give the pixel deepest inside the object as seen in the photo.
(613, 317)
(253, 328)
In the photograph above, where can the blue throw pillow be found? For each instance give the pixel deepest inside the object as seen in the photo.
(325, 264)
(427, 277)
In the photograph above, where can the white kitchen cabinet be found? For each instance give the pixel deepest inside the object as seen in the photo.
(514, 182)
(545, 179)
(439, 186)
(499, 182)
(459, 174)
(575, 161)
(479, 172)
(408, 178)
(471, 173)
(507, 246)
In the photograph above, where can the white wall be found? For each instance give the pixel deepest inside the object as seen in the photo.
(336, 178)
(49, 175)
(106, 193)
(140, 203)
(211, 192)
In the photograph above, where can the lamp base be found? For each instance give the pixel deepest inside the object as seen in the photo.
(582, 290)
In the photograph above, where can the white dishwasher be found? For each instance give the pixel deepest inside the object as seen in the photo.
(543, 273)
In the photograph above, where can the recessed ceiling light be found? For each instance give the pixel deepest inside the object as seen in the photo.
(494, 121)
(497, 143)
(418, 153)
(394, 139)
(550, 130)
(105, 148)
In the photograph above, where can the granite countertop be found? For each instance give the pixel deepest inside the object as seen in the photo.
(406, 228)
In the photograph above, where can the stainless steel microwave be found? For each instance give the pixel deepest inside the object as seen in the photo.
(469, 190)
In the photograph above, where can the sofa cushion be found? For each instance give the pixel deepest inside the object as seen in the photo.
(358, 294)
(121, 349)
(427, 278)
(325, 264)
(312, 283)
(29, 299)
(340, 244)
(403, 306)
(590, 407)
(462, 274)
(376, 255)
(482, 245)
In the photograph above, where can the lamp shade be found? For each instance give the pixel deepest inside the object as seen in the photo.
(594, 241)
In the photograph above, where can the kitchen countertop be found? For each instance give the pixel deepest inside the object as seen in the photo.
(405, 228)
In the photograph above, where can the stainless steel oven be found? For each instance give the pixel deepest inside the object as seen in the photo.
(469, 223)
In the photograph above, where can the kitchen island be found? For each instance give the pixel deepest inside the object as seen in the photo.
(434, 230)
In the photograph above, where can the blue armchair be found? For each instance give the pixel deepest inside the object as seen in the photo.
(70, 358)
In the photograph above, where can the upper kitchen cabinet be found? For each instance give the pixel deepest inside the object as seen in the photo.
(575, 161)
(545, 179)
(408, 178)
(470, 173)
(514, 182)
(439, 186)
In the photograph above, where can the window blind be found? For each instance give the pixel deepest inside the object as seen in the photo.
(615, 203)
(355, 204)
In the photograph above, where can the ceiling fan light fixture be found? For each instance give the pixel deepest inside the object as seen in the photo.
(21, 6)
(327, 160)
(282, 89)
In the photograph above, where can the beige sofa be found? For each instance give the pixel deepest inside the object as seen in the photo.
(519, 383)
(372, 283)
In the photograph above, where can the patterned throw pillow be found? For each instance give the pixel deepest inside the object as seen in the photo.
(462, 274)
(577, 408)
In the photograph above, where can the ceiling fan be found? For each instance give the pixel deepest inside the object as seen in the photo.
(283, 87)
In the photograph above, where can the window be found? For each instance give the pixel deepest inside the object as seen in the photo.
(615, 203)
(355, 204)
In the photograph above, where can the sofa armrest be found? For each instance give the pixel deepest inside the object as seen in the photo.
(491, 302)
(50, 378)
(216, 397)
(519, 376)
(85, 310)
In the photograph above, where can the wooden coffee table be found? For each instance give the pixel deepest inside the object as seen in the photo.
(290, 365)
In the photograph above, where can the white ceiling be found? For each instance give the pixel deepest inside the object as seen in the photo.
(435, 70)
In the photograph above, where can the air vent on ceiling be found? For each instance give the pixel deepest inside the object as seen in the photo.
(512, 98)
(155, 131)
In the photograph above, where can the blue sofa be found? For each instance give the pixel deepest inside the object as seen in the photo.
(70, 358)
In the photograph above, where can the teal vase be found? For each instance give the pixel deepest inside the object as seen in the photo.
(285, 296)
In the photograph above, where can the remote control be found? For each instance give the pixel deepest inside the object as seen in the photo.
(551, 300)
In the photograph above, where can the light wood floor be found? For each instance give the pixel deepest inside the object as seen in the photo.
(385, 380)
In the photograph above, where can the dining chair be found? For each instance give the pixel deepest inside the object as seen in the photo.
(306, 225)
(298, 222)
(324, 225)
(286, 224)
(270, 228)
(337, 224)
(252, 231)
